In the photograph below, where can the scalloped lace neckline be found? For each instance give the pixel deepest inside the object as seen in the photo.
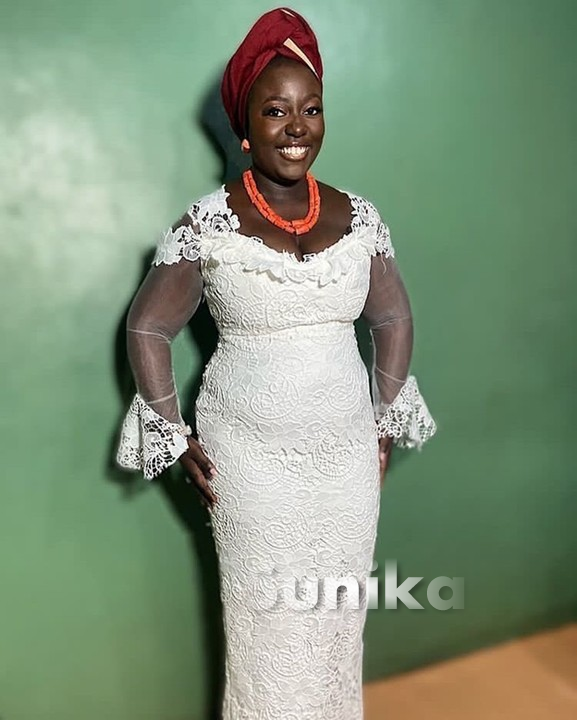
(307, 257)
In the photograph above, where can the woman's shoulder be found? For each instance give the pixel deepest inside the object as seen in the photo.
(207, 205)
(183, 238)
(210, 211)
(366, 217)
(364, 211)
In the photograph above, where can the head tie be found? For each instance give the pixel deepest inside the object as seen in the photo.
(279, 32)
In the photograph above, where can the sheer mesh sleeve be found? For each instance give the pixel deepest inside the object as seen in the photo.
(400, 410)
(153, 434)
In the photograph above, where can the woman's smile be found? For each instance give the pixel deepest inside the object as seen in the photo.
(294, 153)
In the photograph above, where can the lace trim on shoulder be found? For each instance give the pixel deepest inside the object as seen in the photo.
(213, 215)
(365, 214)
(213, 220)
(407, 419)
(176, 244)
(148, 442)
(209, 215)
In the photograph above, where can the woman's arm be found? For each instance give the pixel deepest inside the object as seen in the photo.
(163, 305)
(400, 411)
(154, 434)
(388, 314)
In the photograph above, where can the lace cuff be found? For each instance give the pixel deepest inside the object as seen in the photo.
(148, 442)
(407, 419)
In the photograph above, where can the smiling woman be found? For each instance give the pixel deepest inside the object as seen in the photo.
(285, 128)
(291, 443)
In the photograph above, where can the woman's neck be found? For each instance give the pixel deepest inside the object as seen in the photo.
(279, 193)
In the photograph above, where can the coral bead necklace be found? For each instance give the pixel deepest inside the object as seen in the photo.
(295, 227)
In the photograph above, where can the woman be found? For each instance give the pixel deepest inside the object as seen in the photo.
(290, 444)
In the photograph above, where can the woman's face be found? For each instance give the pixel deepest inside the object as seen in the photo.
(285, 120)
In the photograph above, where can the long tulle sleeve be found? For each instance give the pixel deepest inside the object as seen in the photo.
(400, 410)
(153, 434)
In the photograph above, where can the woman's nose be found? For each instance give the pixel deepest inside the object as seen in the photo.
(296, 127)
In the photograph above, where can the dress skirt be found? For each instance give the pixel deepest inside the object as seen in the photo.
(287, 419)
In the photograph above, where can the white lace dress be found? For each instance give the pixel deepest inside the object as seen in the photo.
(289, 415)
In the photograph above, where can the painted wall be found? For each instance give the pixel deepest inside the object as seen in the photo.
(458, 119)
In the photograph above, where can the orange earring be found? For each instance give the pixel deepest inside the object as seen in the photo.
(245, 146)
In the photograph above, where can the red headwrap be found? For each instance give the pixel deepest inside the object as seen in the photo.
(278, 32)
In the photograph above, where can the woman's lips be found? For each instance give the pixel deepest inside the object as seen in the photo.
(294, 152)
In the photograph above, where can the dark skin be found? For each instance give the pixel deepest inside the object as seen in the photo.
(284, 109)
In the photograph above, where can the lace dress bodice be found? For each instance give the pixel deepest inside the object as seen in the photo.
(357, 275)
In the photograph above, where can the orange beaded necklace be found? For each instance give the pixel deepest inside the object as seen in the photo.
(296, 227)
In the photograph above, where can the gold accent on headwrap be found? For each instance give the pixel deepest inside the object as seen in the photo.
(291, 45)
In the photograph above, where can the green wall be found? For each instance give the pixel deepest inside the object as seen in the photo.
(458, 119)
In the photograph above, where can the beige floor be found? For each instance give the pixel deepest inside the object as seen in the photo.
(534, 678)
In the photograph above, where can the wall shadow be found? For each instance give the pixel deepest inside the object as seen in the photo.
(180, 496)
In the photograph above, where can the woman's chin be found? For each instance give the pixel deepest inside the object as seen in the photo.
(291, 171)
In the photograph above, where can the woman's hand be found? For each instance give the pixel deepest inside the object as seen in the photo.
(199, 471)
(385, 447)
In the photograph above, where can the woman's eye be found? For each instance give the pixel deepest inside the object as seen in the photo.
(316, 110)
(274, 111)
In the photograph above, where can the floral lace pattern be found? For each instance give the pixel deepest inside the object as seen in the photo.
(215, 226)
(285, 413)
(177, 244)
(407, 419)
(148, 442)
(292, 434)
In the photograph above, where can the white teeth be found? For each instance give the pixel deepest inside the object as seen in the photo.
(294, 151)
